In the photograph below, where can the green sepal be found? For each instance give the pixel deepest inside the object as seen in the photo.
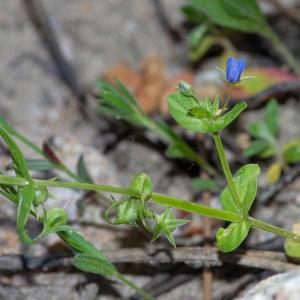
(165, 224)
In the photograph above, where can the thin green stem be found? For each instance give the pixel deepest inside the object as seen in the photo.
(196, 208)
(226, 169)
(159, 199)
(134, 287)
(61, 166)
(86, 186)
(258, 224)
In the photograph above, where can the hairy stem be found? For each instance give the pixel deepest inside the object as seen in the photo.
(226, 169)
(134, 287)
(159, 199)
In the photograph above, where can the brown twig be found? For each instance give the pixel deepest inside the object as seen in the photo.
(195, 256)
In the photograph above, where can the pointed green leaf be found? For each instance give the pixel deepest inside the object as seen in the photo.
(229, 117)
(26, 196)
(272, 116)
(215, 107)
(82, 170)
(204, 184)
(94, 264)
(174, 151)
(231, 237)
(79, 244)
(260, 130)
(39, 165)
(19, 162)
(256, 147)
(196, 35)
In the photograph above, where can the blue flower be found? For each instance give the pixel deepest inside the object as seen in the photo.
(234, 69)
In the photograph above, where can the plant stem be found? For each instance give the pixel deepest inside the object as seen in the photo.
(134, 287)
(283, 51)
(159, 199)
(196, 208)
(86, 186)
(258, 224)
(226, 169)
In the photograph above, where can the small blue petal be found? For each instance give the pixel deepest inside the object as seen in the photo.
(234, 69)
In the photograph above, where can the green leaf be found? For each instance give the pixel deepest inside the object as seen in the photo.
(180, 107)
(26, 196)
(215, 107)
(20, 165)
(204, 184)
(202, 48)
(245, 182)
(229, 117)
(39, 165)
(291, 151)
(82, 170)
(242, 15)
(231, 237)
(256, 147)
(94, 264)
(195, 37)
(79, 244)
(120, 103)
(174, 151)
(272, 117)
(260, 130)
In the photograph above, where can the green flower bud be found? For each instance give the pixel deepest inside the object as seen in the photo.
(41, 195)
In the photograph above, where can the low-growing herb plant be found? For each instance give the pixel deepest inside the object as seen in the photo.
(265, 143)
(198, 115)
